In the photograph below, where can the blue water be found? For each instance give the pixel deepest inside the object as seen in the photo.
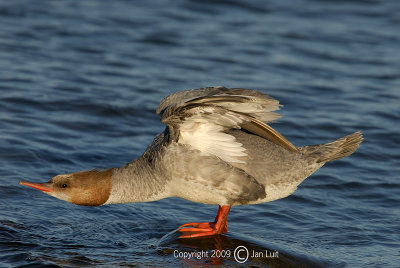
(79, 84)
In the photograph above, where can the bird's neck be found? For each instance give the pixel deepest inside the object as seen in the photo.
(138, 181)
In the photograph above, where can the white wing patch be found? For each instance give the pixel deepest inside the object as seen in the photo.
(202, 117)
(208, 138)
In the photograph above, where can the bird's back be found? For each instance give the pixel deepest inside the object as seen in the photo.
(270, 163)
(281, 170)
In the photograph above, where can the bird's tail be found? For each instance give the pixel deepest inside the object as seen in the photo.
(335, 150)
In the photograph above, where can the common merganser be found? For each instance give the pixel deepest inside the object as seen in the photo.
(216, 149)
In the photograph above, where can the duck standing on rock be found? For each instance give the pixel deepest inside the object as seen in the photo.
(217, 149)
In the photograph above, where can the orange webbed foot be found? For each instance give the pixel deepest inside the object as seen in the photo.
(201, 229)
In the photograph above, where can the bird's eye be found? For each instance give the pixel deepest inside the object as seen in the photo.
(64, 185)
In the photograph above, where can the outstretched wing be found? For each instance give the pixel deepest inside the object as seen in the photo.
(199, 118)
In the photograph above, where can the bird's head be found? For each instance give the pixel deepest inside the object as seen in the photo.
(86, 188)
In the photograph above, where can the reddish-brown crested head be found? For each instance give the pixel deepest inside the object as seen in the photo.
(86, 188)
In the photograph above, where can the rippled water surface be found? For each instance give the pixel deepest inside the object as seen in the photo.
(79, 84)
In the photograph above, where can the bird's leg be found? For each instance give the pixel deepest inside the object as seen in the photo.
(206, 224)
(208, 228)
